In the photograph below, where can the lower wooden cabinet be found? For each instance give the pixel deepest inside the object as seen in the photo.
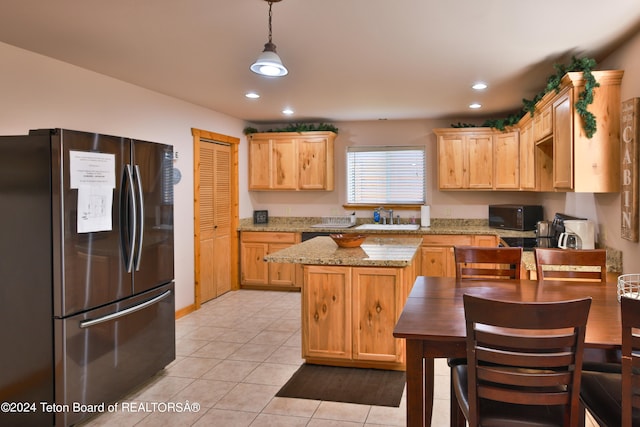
(326, 312)
(255, 272)
(437, 251)
(348, 315)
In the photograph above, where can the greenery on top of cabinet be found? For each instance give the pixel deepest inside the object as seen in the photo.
(296, 127)
(585, 98)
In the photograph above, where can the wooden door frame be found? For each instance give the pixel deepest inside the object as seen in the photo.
(203, 136)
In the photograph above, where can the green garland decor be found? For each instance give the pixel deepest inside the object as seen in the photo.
(585, 98)
(296, 127)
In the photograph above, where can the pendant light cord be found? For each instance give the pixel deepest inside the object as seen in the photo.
(270, 3)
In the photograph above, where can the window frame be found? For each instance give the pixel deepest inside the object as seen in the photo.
(387, 181)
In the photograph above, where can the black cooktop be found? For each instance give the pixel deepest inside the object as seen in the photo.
(528, 243)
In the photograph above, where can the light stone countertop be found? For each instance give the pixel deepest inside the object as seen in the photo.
(438, 226)
(374, 252)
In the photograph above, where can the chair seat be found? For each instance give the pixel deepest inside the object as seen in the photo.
(496, 414)
(601, 393)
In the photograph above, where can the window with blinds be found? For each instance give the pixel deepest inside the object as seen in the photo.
(386, 175)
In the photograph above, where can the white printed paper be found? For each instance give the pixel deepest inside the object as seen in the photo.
(94, 208)
(89, 168)
(94, 175)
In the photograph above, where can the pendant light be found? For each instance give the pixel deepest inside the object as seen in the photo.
(269, 63)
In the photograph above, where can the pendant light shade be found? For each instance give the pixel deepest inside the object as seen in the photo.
(269, 63)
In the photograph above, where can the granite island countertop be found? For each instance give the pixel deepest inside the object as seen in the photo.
(374, 252)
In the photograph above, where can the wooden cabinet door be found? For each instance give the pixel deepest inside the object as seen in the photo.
(563, 142)
(326, 312)
(485, 240)
(542, 123)
(255, 271)
(259, 164)
(527, 157)
(378, 300)
(284, 174)
(312, 164)
(506, 147)
(437, 261)
(479, 168)
(281, 274)
(451, 162)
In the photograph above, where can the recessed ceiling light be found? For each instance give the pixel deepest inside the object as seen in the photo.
(252, 95)
(287, 111)
(475, 105)
(479, 86)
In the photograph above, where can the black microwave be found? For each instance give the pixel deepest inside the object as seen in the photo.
(515, 217)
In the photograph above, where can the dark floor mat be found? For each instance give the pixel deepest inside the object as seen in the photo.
(349, 385)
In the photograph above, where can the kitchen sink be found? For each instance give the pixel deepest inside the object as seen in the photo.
(388, 227)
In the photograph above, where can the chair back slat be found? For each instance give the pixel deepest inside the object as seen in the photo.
(486, 373)
(523, 397)
(527, 353)
(524, 360)
(569, 264)
(545, 343)
(483, 262)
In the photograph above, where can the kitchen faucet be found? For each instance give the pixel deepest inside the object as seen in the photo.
(390, 212)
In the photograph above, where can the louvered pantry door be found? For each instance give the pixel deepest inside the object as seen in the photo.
(215, 219)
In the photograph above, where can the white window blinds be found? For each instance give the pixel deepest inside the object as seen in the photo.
(379, 175)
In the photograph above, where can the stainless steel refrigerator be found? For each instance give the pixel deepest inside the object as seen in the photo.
(86, 272)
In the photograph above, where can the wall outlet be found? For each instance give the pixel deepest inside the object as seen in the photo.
(288, 211)
(334, 211)
(448, 212)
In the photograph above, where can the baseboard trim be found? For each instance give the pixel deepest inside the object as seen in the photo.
(186, 310)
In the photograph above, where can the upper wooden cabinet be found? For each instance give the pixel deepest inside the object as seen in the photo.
(291, 161)
(542, 124)
(506, 167)
(548, 151)
(566, 159)
(477, 159)
(527, 154)
(463, 157)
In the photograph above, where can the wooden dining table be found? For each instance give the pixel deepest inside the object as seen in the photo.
(433, 325)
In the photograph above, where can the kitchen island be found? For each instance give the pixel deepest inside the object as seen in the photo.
(352, 299)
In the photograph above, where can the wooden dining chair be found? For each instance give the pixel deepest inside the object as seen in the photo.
(524, 362)
(613, 398)
(571, 264)
(481, 262)
(584, 265)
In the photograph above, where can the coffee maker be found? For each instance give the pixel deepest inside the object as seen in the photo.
(584, 229)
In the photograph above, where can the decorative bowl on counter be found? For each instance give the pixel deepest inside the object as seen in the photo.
(348, 240)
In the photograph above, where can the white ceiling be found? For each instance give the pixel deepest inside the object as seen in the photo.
(347, 59)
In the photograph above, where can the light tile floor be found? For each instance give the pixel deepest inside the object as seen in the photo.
(232, 357)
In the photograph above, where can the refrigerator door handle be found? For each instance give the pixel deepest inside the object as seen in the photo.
(118, 314)
(130, 221)
(140, 230)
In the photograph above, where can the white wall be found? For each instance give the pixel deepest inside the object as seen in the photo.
(39, 92)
